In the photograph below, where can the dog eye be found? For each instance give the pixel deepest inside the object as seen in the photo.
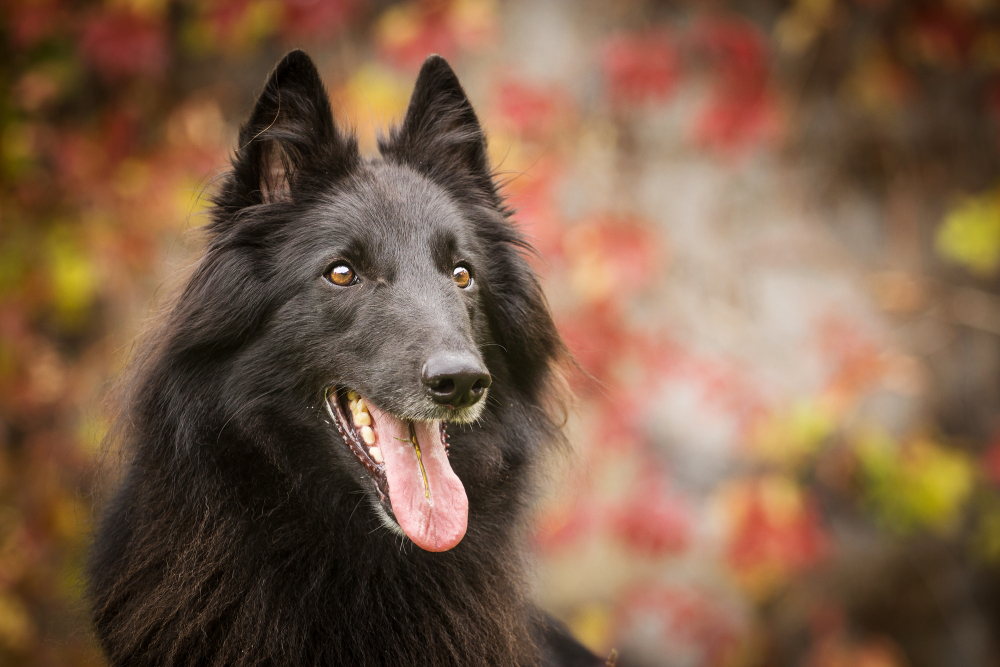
(342, 275)
(461, 276)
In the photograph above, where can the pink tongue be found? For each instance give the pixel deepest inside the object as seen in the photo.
(434, 514)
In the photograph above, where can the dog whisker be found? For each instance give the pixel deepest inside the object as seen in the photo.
(356, 506)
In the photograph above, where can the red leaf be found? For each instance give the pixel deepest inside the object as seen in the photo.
(612, 256)
(564, 526)
(684, 618)
(653, 522)
(640, 67)
(731, 122)
(122, 44)
(789, 540)
(738, 51)
(943, 37)
(316, 18)
(741, 110)
(32, 22)
(596, 339)
(537, 216)
(991, 461)
(534, 112)
(225, 15)
(427, 31)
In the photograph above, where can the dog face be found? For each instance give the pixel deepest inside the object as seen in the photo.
(382, 289)
(395, 286)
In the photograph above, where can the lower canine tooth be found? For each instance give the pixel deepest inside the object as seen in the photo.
(376, 454)
(368, 435)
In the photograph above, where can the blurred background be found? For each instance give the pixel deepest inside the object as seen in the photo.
(770, 232)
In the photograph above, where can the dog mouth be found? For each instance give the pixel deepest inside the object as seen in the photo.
(408, 463)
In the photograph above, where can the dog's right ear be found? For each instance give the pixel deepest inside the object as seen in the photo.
(289, 138)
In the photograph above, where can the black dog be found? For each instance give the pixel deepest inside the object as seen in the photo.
(331, 437)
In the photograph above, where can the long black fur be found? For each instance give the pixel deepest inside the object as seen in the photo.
(243, 530)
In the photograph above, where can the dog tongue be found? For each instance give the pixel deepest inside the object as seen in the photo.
(429, 501)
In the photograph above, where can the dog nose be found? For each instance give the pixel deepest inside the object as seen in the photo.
(455, 379)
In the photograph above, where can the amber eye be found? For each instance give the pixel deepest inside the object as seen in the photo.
(342, 275)
(461, 276)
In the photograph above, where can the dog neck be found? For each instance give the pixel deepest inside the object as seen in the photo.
(301, 573)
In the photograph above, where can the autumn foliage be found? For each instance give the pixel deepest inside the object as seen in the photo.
(770, 234)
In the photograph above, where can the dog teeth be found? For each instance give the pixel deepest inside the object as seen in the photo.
(363, 421)
(360, 412)
(376, 454)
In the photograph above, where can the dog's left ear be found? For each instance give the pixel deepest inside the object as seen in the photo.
(289, 137)
(441, 136)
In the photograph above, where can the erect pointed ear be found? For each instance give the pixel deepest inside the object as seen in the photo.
(289, 137)
(440, 135)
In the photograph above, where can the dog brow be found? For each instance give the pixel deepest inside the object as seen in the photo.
(444, 247)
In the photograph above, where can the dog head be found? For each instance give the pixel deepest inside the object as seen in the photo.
(387, 298)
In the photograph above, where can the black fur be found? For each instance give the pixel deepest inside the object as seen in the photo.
(243, 531)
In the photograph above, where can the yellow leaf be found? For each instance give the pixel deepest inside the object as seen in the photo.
(16, 627)
(592, 625)
(970, 235)
(377, 93)
(397, 25)
(918, 484)
(799, 26)
(17, 147)
(73, 277)
(792, 436)
(987, 540)
(781, 500)
(198, 36)
(91, 431)
(152, 8)
(132, 179)
(474, 22)
(259, 20)
(878, 85)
